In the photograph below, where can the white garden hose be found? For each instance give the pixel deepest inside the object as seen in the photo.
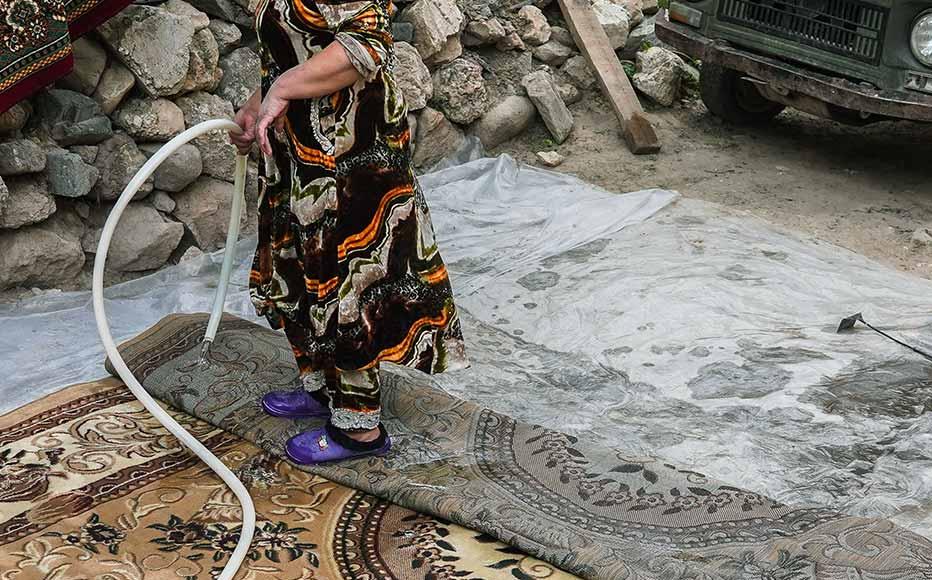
(249, 510)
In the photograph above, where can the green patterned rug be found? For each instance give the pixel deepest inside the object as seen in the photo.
(593, 511)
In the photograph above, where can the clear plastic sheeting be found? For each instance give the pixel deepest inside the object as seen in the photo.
(676, 330)
(50, 340)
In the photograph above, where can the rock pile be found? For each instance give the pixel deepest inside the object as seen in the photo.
(487, 68)
(143, 77)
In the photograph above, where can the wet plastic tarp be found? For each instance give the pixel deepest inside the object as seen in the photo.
(668, 328)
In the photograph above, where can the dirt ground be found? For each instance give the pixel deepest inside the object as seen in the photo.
(866, 189)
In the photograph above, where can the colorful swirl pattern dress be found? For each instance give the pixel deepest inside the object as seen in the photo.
(347, 263)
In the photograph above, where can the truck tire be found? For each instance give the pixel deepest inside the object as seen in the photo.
(734, 99)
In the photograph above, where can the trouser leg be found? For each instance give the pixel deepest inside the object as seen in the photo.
(314, 379)
(355, 400)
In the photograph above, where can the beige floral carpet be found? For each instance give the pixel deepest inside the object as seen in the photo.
(593, 511)
(91, 487)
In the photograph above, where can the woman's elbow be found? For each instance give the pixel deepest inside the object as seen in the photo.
(364, 58)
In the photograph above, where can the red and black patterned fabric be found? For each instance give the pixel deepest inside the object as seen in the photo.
(36, 37)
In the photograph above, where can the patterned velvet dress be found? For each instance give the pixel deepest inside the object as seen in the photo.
(347, 263)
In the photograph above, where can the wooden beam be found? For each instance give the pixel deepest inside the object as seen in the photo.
(594, 44)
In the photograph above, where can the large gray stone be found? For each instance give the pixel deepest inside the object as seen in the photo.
(532, 25)
(87, 132)
(199, 19)
(437, 138)
(87, 153)
(178, 171)
(241, 76)
(484, 32)
(236, 12)
(578, 71)
(118, 160)
(90, 60)
(460, 91)
(553, 53)
(28, 202)
(227, 35)
(569, 93)
(614, 20)
(68, 174)
(413, 77)
(44, 255)
(217, 154)
(63, 106)
(204, 207)
(659, 75)
(21, 156)
(154, 44)
(505, 121)
(504, 71)
(542, 90)
(203, 72)
(162, 201)
(450, 52)
(150, 119)
(116, 82)
(146, 239)
(437, 27)
(67, 221)
(563, 36)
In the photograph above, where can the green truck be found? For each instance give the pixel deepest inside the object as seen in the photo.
(854, 61)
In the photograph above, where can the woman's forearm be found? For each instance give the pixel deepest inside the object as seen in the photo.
(323, 74)
(254, 100)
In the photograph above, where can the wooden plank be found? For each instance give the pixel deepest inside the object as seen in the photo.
(593, 42)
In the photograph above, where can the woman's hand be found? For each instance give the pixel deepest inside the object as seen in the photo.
(271, 114)
(246, 118)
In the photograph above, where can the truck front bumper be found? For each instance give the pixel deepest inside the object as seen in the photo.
(787, 77)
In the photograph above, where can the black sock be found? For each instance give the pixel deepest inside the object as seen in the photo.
(353, 445)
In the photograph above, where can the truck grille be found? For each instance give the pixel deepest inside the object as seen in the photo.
(848, 27)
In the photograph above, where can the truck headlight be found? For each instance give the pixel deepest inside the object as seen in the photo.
(921, 39)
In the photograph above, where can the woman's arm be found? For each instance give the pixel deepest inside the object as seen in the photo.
(325, 73)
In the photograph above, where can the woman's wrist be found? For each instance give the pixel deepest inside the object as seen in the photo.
(253, 103)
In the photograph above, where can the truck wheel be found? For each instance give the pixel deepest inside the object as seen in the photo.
(734, 99)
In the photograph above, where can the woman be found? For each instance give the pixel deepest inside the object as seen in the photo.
(346, 262)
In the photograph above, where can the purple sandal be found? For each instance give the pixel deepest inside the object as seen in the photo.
(323, 445)
(297, 403)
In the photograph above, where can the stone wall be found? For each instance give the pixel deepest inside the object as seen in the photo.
(487, 68)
